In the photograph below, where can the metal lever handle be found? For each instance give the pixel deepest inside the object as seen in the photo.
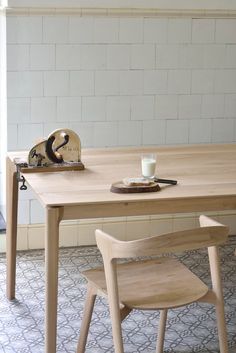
(166, 181)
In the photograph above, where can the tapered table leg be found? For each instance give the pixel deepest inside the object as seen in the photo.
(51, 271)
(11, 208)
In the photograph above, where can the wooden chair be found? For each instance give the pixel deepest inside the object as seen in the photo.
(161, 283)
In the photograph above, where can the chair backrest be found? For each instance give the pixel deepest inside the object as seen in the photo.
(211, 233)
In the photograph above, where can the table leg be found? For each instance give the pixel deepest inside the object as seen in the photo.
(51, 269)
(11, 238)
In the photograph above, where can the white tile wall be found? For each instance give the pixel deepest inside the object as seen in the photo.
(225, 31)
(55, 29)
(120, 81)
(42, 57)
(18, 57)
(69, 109)
(155, 30)
(43, 109)
(18, 109)
(203, 30)
(166, 106)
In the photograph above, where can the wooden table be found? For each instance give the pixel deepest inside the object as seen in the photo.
(206, 177)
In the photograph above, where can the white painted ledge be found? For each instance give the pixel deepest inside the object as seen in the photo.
(119, 12)
(138, 4)
(148, 8)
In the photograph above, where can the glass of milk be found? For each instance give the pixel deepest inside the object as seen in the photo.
(148, 162)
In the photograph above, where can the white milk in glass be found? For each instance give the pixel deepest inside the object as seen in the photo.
(148, 166)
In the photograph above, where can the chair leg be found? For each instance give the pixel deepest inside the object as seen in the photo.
(222, 332)
(87, 315)
(161, 331)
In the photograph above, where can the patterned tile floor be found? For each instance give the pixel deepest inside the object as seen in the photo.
(190, 329)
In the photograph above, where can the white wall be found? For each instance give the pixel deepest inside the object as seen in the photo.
(3, 122)
(119, 81)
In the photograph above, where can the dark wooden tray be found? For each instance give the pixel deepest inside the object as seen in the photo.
(120, 188)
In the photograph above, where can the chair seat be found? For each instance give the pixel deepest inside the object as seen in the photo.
(160, 283)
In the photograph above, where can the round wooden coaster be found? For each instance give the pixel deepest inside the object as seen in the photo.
(120, 188)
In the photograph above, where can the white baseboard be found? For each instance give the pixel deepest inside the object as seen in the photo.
(78, 233)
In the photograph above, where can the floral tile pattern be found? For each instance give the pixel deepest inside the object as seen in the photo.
(190, 329)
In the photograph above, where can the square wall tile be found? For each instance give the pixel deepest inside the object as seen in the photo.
(179, 81)
(214, 56)
(190, 106)
(23, 211)
(56, 83)
(230, 221)
(184, 223)
(131, 30)
(22, 238)
(166, 106)
(213, 105)
(43, 109)
(106, 30)
(68, 235)
(179, 30)
(137, 229)
(105, 134)
(191, 56)
(230, 106)
(81, 29)
(225, 81)
(203, 30)
(29, 29)
(161, 226)
(81, 83)
(118, 57)
(118, 108)
(12, 30)
(107, 83)
(225, 30)
(37, 212)
(36, 239)
(177, 131)
(69, 109)
(18, 110)
(55, 29)
(155, 82)
(28, 135)
(42, 57)
(231, 56)
(115, 229)
(142, 107)
(200, 130)
(85, 132)
(24, 84)
(142, 56)
(131, 82)
(168, 56)
(155, 30)
(93, 109)
(154, 132)
(68, 57)
(203, 81)
(12, 137)
(93, 57)
(86, 235)
(129, 133)
(17, 57)
(222, 130)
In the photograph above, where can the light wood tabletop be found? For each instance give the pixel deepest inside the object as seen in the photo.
(206, 176)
